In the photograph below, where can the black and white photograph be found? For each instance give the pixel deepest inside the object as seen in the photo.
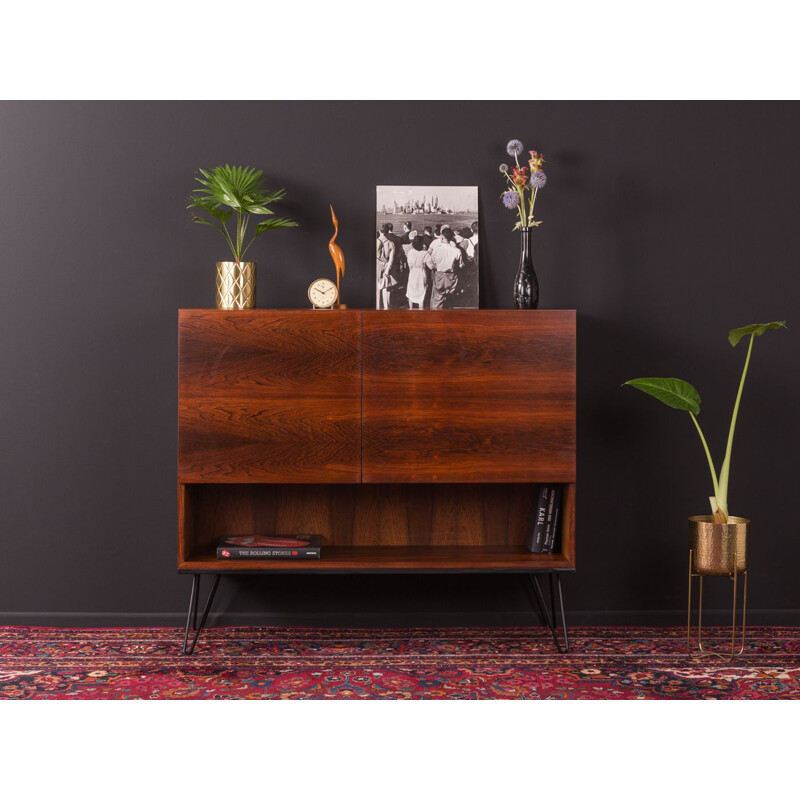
(426, 247)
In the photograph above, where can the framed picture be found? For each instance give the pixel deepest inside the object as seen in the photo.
(426, 247)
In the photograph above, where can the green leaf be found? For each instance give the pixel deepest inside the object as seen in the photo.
(239, 188)
(222, 216)
(197, 201)
(227, 194)
(673, 392)
(274, 224)
(270, 197)
(210, 207)
(255, 208)
(737, 334)
(201, 221)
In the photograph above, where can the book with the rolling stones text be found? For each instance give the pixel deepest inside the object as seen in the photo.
(538, 518)
(553, 520)
(257, 546)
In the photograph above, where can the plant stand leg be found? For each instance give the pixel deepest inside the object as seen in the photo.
(734, 652)
(689, 609)
(549, 617)
(700, 646)
(744, 613)
(191, 617)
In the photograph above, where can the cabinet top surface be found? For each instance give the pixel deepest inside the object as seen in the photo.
(388, 313)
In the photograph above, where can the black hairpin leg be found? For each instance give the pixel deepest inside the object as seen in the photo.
(191, 617)
(193, 600)
(549, 617)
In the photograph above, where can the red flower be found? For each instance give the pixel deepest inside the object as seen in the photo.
(519, 175)
(537, 159)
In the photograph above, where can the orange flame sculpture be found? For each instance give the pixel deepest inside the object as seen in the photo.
(337, 255)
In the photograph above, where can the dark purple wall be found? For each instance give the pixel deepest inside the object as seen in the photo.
(665, 224)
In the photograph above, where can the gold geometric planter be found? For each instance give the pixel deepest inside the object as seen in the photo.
(716, 549)
(236, 285)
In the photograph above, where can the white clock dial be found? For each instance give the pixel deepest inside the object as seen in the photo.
(322, 293)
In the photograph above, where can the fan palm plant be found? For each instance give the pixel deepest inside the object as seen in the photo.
(236, 193)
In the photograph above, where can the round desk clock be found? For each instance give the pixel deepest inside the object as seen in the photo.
(322, 293)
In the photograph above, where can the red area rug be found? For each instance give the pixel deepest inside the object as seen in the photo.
(415, 663)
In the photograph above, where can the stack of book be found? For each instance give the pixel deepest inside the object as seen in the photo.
(300, 547)
(543, 529)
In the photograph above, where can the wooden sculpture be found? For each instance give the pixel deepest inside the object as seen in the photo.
(338, 258)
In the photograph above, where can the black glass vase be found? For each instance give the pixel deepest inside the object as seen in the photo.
(526, 284)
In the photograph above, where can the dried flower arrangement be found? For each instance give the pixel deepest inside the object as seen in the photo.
(524, 183)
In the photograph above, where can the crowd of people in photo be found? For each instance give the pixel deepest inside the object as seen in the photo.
(434, 268)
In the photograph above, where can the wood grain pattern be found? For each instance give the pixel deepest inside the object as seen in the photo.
(186, 523)
(566, 544)
(287, 354)
(393, 559)
(463, 413)
(269, 396)
(438, 518)
(362, 515)
(457, 397)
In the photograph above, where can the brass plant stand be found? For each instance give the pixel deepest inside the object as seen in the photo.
(721, 550)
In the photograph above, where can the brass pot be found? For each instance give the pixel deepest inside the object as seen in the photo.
(718, 549)
(236, 285)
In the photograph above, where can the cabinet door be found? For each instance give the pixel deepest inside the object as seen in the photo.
(469, 396)
(269, 396)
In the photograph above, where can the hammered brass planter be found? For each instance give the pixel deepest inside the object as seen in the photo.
(236, 285)
(718, 549)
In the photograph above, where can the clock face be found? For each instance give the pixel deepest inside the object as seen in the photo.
(322, 293)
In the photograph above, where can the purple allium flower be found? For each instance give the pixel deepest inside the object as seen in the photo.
(504, 168)
(538, 179)
(514, 147)
(510, 199)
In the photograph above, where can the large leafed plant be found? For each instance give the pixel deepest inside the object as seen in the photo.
(230, 195)
(682, 395)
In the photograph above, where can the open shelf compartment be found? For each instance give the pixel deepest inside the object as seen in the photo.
(374, 527)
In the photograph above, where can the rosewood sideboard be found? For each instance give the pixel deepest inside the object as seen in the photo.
(411, 441)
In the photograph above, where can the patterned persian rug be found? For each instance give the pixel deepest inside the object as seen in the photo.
(409, 663)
